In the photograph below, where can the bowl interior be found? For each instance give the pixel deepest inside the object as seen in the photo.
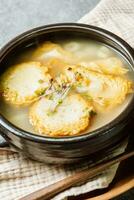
(32, 38)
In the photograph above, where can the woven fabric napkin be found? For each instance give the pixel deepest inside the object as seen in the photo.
(20, 176)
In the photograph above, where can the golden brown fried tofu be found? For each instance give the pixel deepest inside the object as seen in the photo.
(70, 118)
(23, 83)
(56, 66)
(49, 50)
(104, 90)
(112, 65)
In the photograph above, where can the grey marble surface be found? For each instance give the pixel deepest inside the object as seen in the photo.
(17, 16)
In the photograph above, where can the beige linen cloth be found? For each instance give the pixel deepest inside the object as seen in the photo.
(20, 176)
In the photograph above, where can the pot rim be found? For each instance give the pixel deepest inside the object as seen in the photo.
(6, 125)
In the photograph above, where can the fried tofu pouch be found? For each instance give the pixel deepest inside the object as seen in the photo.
(49, 50)
(23, 83)
(112, 66)
(71, 117)
(104, 90)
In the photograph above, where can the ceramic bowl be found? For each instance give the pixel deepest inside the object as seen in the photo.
(65, 150)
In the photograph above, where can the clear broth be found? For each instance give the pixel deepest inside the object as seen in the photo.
(85, 50)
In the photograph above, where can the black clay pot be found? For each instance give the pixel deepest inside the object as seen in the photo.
(67, 149)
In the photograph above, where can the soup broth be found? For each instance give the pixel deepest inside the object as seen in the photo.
(84, 51)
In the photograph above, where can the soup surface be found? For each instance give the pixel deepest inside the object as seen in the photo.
(65, 87)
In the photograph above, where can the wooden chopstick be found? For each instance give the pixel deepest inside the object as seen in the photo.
(78, 178)
(119, 188)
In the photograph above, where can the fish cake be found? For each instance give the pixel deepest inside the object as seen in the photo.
(104, 90)
(71, 117)
(23, 83)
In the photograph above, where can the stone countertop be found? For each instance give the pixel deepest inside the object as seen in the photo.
(17, 16)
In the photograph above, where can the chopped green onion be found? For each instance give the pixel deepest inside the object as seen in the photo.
(41, 81)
